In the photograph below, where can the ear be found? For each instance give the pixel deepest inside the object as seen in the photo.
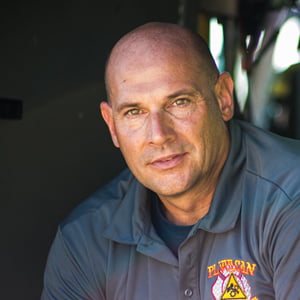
(224, 94)
(106, 112)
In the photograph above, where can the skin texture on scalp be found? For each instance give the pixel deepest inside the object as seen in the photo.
(167, 112)
(155, 37)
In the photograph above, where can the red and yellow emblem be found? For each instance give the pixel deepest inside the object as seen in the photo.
(231, 282)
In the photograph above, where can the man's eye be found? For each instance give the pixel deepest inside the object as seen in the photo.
(182, 107)
(133, 112)
(180, 102)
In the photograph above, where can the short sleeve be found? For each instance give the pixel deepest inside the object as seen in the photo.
(69, 272)
(286, 254)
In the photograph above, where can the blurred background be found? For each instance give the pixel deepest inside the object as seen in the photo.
(54, 147)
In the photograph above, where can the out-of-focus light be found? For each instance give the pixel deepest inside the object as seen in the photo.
(216, 41)
(241, 83)
(259, 44)
(286, 52)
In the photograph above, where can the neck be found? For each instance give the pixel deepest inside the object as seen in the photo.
(186, 211)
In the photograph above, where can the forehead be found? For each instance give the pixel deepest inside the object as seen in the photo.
(154, 71)
(152, 82)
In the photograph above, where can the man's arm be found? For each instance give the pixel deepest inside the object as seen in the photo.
(69, 273)
(285, 250)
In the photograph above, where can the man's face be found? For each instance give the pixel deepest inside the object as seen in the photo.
(168, 123)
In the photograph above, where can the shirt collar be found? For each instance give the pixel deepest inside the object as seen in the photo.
(130, 215)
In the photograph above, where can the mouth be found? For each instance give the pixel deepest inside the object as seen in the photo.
(168, 162)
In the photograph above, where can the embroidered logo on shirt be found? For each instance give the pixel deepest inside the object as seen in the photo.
(231, 282)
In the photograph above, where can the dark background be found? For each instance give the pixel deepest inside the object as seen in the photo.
(52, 57)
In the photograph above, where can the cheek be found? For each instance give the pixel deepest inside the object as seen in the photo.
(131, 134)
(193, 127)
(129, 144)
(200, 132)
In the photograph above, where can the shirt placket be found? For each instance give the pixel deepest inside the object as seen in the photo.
(189, 269)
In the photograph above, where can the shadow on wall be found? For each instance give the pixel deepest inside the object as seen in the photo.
(60, 151)
(51, 160)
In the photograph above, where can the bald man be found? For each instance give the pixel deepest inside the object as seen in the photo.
(208, 207)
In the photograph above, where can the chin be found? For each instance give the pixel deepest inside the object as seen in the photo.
(169, 191)
(168, 185)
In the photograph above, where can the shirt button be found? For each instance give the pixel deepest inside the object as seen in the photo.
(188, 292)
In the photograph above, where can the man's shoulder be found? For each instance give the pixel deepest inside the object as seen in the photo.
(269, 142)
(264, 146)
(272, 158)
(101, 204)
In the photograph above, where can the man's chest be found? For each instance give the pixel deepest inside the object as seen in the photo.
(209, 267)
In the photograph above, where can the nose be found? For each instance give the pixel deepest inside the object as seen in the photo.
(160, 129)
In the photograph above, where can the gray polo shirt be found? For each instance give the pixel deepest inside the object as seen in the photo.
(246, 247)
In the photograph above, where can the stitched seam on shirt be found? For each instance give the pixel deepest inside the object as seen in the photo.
(272, 182)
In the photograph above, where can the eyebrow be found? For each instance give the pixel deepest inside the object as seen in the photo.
(188, 92)
(127, 105)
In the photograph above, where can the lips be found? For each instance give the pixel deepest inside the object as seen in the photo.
(168, 162)
(168, 158)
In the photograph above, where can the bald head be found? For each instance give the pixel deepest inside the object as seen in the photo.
(159, 43)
